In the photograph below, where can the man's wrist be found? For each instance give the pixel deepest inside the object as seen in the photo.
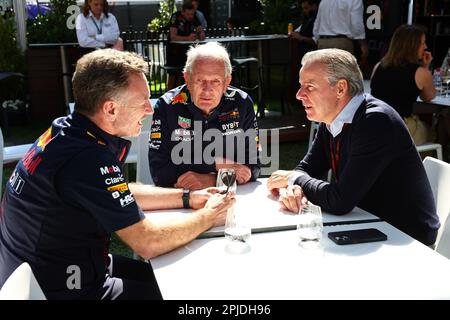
(294, 176)
(186, 197)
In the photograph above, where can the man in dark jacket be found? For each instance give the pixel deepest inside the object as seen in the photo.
(203, 126)
(367, 145)
(68, 193)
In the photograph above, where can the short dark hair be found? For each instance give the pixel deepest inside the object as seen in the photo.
(103, 75)
(311, 2)
(187, 5)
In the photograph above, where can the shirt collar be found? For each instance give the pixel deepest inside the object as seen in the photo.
(92, 15)
(346, 115)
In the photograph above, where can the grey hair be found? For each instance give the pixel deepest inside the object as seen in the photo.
(340, 64)
(209, 51)
(104, 75)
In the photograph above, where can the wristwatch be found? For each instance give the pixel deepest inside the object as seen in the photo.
(186, 198)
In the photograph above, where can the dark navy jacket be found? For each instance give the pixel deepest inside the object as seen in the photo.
(379, 171)
(63, 200)
(181, 135)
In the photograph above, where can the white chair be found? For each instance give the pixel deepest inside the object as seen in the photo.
(1, 158)
(438, 173)
(429, 146)
(15, 153)
(142, 168)
(443, 246)
(22, 285)
(10, 154)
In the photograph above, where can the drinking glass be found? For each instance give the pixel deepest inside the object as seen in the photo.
(236, 227)
(309, 225)
(226, 180)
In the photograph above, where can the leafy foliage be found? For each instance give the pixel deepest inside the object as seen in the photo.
(11, 59)
(277, 15)
(51, 27)
(166, 9)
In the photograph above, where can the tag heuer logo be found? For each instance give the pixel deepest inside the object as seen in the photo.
(184, 122)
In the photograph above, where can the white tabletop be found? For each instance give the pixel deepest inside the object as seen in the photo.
(263, 212)
(274, 267)
(442, 100)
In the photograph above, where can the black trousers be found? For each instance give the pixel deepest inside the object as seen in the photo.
(130, 279)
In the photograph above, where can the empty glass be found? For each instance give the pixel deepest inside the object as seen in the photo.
(309, 225)
(236, 227)
(226, 180)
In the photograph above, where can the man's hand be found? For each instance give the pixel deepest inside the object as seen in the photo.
(292, 198)
(243, 173)
(278, 180)
(198, 199)
(195, 181)
(192, 37)
(218, 205)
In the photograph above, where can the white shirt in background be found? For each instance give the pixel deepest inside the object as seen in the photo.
(340, 17)
(88, 32)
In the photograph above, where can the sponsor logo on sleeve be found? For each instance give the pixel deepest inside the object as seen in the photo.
(115, 194)
(126, 200)
(121, 187)
(155, 135)
(114, 180)
(180, 98)
(16, 182)
(45, 138)
(110, 169)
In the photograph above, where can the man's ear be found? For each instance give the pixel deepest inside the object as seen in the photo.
(227, 83)
(342, 88)
(110, 110)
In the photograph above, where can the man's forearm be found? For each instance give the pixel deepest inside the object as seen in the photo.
(156, 198)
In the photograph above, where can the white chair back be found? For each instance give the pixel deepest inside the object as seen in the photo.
(142, 167)
(443, 246)
(438, 173)
(22, 285)
(1, 158)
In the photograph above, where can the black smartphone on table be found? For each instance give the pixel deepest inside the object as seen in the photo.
(357, 236)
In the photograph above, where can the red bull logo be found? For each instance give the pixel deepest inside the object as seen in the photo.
(45, 138)
(180, 98)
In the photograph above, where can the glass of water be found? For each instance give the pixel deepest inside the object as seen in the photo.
(236, 227)
(310, 225)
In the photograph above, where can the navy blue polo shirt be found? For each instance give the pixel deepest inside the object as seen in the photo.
(181, 133)
(62, 202)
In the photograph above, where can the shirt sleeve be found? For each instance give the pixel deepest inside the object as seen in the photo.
(110, 30)
(83, 36)
(252, 145)
(93, 181)
(369, 154)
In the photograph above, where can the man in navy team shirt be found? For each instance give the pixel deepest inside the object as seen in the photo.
(68, 194)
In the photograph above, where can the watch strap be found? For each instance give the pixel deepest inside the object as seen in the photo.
(186, 193)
